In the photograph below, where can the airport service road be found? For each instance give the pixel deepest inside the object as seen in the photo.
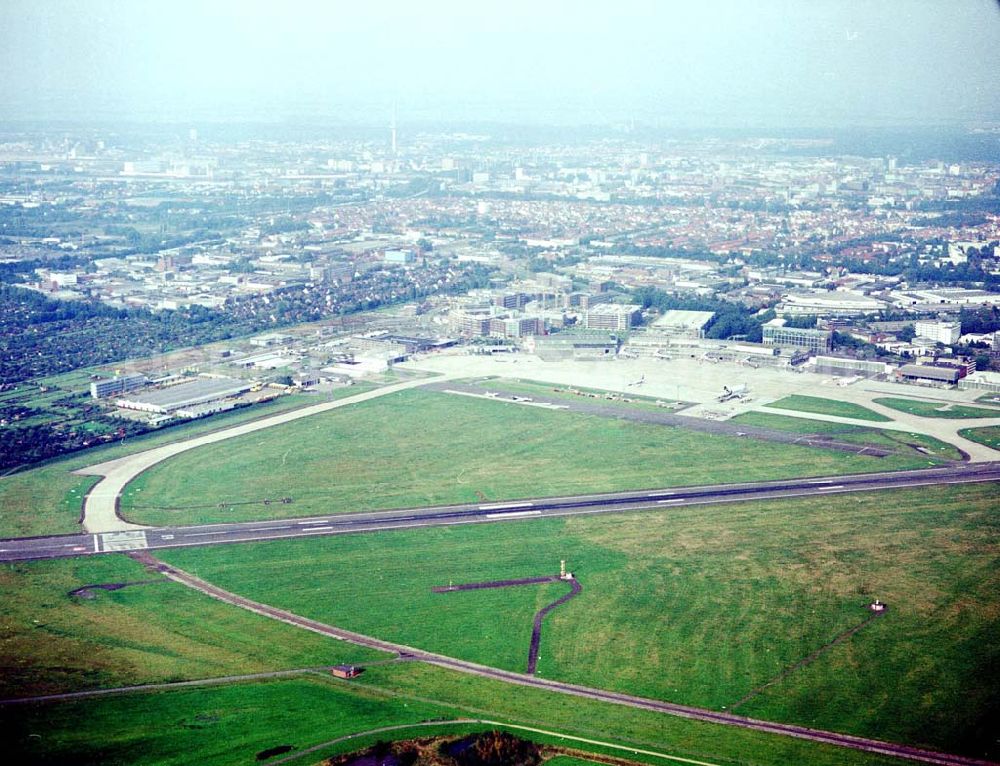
(516, 510)
(100, 507)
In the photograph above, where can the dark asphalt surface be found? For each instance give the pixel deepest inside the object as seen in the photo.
(59, 546)
(536, 628)
(668, 418)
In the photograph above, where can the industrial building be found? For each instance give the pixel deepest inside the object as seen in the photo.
(829, 303)
(835, 365)
(186, 395)
(982, 381)
(929, 374)
(573, 345)
(418, 344)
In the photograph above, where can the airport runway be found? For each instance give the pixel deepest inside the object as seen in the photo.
(212, 534)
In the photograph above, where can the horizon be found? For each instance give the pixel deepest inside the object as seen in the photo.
(775, 65)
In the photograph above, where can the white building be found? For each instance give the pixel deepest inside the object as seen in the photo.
(829, 303)
(939, 332)
(612, 316)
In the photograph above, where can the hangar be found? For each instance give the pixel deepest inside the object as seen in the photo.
(198, 391)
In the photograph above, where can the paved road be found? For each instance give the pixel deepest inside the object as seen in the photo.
(683, 711)
(938, 428)
(100, 507)
(211, 534)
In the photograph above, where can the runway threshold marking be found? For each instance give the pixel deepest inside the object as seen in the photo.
(124, 541)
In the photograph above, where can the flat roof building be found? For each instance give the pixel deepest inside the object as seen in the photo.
(939, 332)
(119, 384)
(574, 345)
(925, 373)
(983, 381)
(185, 395)
(688, 324)
(612, 316)
(805, 338)
(835, 365)
(829, 303)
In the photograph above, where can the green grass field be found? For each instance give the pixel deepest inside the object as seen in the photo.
(219, 726)
(216, 725)
(846, 432)
(823, 406)
(416, 448)
(694, 605)
(568, 760)
(988, 435)
(47, 499)
(938, 409)
(160, 631)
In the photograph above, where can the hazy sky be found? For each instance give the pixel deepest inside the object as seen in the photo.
(715, 62)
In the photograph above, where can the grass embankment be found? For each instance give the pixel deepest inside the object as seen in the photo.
(822, 406)
(158, 631)
(861, 435)
(48, 498)
(988, 435)
(416, 448)
(693, 605)
(937, 409)
(218, 726)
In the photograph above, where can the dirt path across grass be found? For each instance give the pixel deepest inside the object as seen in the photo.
(807, 660)
(536, 630)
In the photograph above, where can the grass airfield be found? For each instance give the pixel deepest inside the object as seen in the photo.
(703, 606)
(319, 717)
(418, 448)
(694, 605)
